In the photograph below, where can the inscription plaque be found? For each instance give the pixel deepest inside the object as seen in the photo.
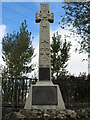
(44, 74)
(44, 95)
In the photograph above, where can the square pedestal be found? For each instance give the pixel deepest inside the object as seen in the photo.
(44, 95)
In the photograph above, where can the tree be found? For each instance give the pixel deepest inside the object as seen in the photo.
(59, 55)
(17, 51)
(77, 17)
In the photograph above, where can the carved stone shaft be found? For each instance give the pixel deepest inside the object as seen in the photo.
(44, 41)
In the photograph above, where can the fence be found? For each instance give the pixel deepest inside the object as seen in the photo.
(75, 92)
(15, 90)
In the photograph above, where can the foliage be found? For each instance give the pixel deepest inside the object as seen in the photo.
(14, 90)
(59, 55)
(17, 51)
(77, 17)
(74, 89)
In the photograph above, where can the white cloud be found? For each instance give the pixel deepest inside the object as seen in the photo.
(76, 65)
(2, 33)
(35, 60)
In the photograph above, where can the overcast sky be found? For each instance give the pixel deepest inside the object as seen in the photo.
(14, 13)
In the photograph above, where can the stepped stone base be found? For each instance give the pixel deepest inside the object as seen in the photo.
(44, 95)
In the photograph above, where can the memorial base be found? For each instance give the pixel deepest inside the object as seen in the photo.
(44, 95)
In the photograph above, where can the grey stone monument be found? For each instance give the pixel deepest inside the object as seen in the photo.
(44, 94)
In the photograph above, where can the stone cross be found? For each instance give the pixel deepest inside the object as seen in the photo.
(44, 41)
(44, 94)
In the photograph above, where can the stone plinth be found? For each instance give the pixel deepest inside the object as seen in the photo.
(44, 95)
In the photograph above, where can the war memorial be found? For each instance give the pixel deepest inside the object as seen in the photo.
(44, 95)
(45, 101)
